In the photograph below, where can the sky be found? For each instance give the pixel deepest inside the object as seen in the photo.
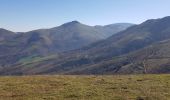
(26, 15)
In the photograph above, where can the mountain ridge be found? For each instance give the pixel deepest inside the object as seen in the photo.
(43, 42)
(109, 56)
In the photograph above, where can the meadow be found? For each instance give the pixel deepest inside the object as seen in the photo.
(67, 87)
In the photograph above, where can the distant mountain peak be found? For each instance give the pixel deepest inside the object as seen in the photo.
(6, 31)
(71, 23)
(75, 22)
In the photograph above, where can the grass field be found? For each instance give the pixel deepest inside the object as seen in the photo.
(130, 87)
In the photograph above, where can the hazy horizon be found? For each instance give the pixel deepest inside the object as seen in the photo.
(22, 16)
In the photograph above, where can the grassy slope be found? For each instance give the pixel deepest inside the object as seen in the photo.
(130, 87)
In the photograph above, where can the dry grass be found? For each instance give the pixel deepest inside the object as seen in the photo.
(129, 87)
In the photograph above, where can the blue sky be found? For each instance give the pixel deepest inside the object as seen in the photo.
(25, 15)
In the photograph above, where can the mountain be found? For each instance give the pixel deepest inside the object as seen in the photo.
(5, 34)
(134, 38)
(119, 54)
(109, 30)
(43, 42)
(69, 36)
(153, 59)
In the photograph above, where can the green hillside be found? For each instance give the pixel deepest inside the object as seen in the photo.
(129, 87)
